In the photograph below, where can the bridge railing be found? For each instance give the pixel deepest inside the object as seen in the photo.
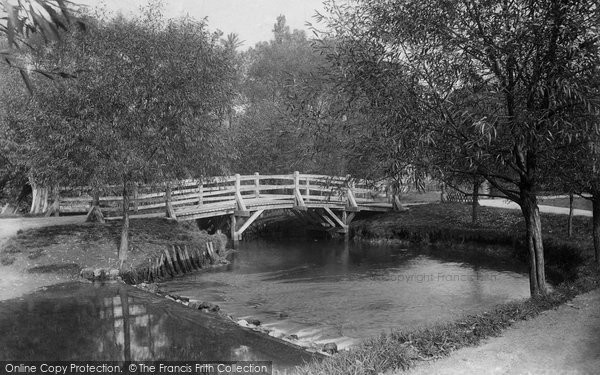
(226, 191)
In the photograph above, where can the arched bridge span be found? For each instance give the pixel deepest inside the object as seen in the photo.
(329, 201)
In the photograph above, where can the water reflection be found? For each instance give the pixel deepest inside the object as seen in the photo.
(80, 322)
(338, 291)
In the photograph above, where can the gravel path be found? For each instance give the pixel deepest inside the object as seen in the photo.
(561, 341)
(503, 203)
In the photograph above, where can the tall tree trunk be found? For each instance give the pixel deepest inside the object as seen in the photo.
(44, 201)
(124, 246)
(570, 221)
(442, 192)
(533, 224)
(596, 226)
(55, 207)
(475, 202)
(39, 198)
(95, 214)
(34, 196)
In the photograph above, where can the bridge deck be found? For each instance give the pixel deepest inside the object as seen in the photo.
(238, 196)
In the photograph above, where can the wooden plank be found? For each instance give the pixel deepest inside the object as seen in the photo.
(169, 263)
(256, 185)
(241, 206)
(210, 193)
(265, 187)
(228, 198)
(327, 219)
(157, 268)
(186, 258)
(277, 177)
(316, 218)
(323, 177)
(190, 257)
(297, 194)
(335, 217)
(351, 200)
(248, 222)
(179, 260)
(349, 218)
(232, 225)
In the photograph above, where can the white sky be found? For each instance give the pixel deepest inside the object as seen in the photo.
(252, 20)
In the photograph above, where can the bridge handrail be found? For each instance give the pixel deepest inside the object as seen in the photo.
(227, 190)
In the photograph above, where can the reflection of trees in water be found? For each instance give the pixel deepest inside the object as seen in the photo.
(102, 323)
(133, 333)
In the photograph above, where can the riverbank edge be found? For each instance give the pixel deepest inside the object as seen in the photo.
(401, 350)
(136, 274)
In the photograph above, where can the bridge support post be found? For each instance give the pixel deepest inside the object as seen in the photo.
(200, 192)
(256, 185)
(299, 201)
(339, 221)
(234, 237)
(347, 219)
(240, 224)
(170, 212)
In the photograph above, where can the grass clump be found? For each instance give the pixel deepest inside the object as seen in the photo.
(57, 248)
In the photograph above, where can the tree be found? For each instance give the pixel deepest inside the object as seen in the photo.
(283, 96)
(577, 169)
(488, 86)
(146, 106)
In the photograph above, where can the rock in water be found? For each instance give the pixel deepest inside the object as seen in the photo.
(330, 347)
(255, 322)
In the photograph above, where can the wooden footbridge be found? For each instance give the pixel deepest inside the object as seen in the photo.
(328, 202)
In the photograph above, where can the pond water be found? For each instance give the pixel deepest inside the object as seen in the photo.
(324, 291)
(116, 322)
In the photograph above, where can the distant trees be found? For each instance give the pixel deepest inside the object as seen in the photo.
(479, 89)
(284, 94)
(147, 106)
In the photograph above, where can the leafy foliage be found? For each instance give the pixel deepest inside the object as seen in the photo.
(288, 118)
(146, 105)
(24, 18)
(472, 88)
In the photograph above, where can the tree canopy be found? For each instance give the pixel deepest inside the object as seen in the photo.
(473, 88)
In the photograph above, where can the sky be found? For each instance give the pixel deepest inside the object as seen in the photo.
(252, 20)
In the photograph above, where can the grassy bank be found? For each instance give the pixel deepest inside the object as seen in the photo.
(570, 258)
(66, 249)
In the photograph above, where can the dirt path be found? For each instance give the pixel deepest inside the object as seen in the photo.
(14, 281)
(561, 341)
(503, 203)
